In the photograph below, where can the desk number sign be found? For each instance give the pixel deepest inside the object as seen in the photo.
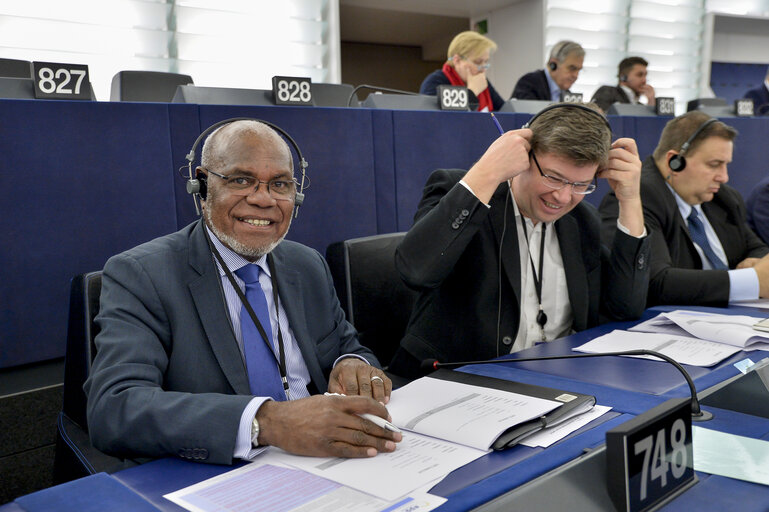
(61, 81)
(743, 107)
(572, 97)
(292, 90)
(649, 458)
(453, 97)
(665, 106)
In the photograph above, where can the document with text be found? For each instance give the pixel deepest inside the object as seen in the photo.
(683, 349)
(735, 330)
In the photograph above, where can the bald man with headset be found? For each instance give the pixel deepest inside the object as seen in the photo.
(214, 338)
(507, 254)
(550, 84)
(702, 250)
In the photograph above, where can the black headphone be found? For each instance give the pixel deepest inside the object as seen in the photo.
(568, 105)
(553, 65)
(197, 185)
(623, 78)
(677, 163)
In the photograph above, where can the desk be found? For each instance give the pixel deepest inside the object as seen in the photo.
(485, 483)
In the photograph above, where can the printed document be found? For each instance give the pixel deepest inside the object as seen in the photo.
(683, 349)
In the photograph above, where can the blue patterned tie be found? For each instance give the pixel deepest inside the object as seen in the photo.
(263, 373)
(697, 232)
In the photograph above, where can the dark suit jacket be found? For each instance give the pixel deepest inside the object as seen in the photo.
(757, 206)
(438, 77)
(451, 255)
(168, 378)
(676, 268)
(760, 97)
(532, 86)
(607, 95)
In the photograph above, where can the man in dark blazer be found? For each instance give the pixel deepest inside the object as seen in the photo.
(632, 84)
(172, 374)
(563, 67)
(479, 236)
(760, 97)
(757, 205)
(724, 264)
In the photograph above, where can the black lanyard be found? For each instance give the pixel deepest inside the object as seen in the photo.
(541, 315)
(281, 362)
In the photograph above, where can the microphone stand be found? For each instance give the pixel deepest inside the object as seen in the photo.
(697, 413)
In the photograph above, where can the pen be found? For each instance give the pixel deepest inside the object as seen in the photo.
(376, 420)
(496, 123)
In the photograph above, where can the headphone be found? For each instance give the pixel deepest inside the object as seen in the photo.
(623, 78)
(197, 185)
(553, 65)
(568, 105)
(677, 163)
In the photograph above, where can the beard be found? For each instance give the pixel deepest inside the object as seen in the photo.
(249, 252)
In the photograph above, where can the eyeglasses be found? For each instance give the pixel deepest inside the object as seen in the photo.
(243, 185)
(480, 67)
(557, 183)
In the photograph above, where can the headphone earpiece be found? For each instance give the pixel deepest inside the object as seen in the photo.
(623, 78)
(553, 65)
(198, 185)
(677, 163)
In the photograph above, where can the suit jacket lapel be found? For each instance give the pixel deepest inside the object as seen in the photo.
(205, 288)
(570, 244)
(503, 220)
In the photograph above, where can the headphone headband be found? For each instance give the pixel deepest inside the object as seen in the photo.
(194, 186)
(568, 105)
(685, 145)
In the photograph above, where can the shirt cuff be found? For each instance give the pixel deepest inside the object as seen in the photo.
(243, 448)
(462, 182)
(743, 284)
(627, 231)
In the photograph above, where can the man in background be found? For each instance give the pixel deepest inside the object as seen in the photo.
(703, 252)
(760, 96)
(631, 87)
(550, 84)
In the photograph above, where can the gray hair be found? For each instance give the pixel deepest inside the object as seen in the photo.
(563, 49)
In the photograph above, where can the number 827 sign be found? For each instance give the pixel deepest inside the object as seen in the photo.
(61, 81)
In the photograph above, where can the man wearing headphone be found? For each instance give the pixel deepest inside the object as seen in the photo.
(214, 337)
(563, 67)
(631, 87)
(507, 254)
(702, 250)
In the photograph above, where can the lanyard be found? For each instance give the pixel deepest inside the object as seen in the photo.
(281, 362)
(541, 315)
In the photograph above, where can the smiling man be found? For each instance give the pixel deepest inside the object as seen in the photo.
(213, 338)
(703, 251)
(507, 254)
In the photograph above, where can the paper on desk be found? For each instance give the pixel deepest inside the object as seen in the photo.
(269, 487)
(470, 415)
(729, 455)
(417, 461)
(735, 330)
(755, 303)
(683, 349)
(550, 435)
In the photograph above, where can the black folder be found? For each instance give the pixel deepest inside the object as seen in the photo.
(573, 403)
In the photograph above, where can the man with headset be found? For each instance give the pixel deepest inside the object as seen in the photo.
(563, 67)
(702, 250)
(213, 338)
(631, 87)
(507, 254)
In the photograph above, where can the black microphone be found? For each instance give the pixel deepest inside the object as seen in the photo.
(698, 414)
(387, 89)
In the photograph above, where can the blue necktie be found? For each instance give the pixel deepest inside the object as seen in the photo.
(263, 373)
(697, 232)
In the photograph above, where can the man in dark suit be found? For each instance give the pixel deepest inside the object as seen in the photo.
(563, 67)
(178, 368)
(760, 97)
(507, 254)
(703, 251)
(632, 85)
(757, 206)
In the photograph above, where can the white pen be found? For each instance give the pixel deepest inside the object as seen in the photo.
(376, 420)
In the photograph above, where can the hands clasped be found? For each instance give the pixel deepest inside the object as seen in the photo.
(330, 425)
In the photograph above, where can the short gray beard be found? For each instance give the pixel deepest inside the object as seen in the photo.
(249, 252)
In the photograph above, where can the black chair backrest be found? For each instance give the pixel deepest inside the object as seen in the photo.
(81, 332)
(332, 95)
(152, 86)
(372, 293)
(15, 68)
